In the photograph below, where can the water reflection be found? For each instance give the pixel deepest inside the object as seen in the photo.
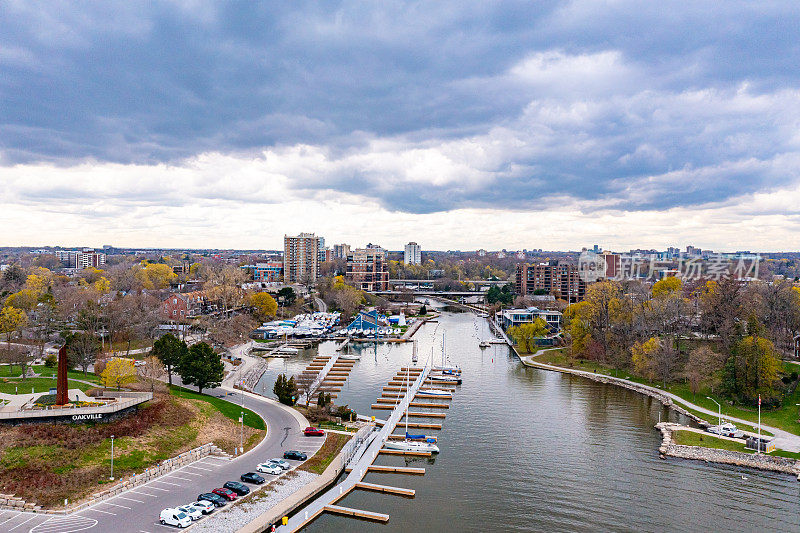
(529, 450)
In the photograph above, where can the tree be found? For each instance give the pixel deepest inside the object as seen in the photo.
(152, 370)
(118, 372)
(202, 367)
(578, 327)
(11, 320)
(154, 275)
(287, 296)
(82, 350)
(170, 351)
(525, 334)
(264, 306)
(703, 368)
(285, 389)
(643, 356)
(752, 369)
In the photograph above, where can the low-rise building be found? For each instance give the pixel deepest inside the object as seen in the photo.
(266, 272)
(508, 318)
(180, 306)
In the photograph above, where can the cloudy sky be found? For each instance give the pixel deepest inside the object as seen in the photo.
(456, 124)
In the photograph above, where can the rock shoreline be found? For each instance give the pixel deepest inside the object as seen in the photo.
(668, 446)
(602, 378)
(715, 455)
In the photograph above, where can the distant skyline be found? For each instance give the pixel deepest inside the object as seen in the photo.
(459, 125)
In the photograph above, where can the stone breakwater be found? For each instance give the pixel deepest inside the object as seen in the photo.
(715, 455)
(9, 501)
(602, 378)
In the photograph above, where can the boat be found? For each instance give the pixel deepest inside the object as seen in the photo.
(484, 344)
(456, 380)
(411, 446)
(436, 392)
(287, 350)
(414, 357)
(426, 438)
(350, 357)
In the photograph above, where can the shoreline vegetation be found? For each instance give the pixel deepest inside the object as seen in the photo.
(678, 441)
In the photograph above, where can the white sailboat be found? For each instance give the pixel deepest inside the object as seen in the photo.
(409, 445)
(414, 358)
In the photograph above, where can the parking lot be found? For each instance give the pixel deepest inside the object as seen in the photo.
(138, 509)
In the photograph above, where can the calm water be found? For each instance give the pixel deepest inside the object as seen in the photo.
(529, 450)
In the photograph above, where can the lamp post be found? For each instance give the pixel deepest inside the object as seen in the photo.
(112, 458)
(241, 433)
(719, 411)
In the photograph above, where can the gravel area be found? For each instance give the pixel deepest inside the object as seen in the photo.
(239, 515)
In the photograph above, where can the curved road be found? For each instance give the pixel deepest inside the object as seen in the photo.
(137, 510)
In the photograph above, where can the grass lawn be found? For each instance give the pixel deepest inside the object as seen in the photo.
(46, 463)
(692, 438)
(230, 410)
(9, 385)
(334, 442)
(785, 417)
(43, 371)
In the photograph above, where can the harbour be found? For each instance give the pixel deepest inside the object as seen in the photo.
(536, 450)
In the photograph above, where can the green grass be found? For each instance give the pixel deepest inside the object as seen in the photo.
(334, 442)
(785, 417)
(9, 385)
(44, 371)
(229, 409)
(692, 438)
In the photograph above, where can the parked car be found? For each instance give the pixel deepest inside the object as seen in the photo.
(294, 454)
(252, 477)
(204, 506)
(281, 463)
(727, 429)
(192, 512)
(313, 432)
(225, 493)
(269, 468)
(174, 517)
(216, 499)
(239, 488)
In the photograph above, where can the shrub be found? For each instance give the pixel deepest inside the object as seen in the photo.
(51, 361)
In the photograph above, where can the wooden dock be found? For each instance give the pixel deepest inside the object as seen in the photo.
(357, 513)
(386, 489)
(385, 451)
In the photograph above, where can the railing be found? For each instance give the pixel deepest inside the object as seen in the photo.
(135, 398)
(351, 447)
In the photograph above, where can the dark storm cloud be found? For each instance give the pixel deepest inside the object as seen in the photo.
(627, 104)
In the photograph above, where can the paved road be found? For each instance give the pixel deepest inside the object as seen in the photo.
(783, 439)
(321, 305)
(137, 510)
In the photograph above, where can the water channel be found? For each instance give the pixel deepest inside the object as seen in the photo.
(531, 450)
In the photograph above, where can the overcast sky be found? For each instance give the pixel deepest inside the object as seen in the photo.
(459, 125)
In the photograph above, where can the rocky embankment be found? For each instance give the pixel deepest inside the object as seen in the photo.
(715, 455)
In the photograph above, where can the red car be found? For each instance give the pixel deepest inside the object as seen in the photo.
(313, 432)
(225, 493)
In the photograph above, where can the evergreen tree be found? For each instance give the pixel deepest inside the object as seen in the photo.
(170, 351)
(202, 367)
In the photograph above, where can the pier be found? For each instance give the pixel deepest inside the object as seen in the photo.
(362, 462)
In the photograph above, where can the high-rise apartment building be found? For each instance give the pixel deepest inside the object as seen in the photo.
(558, 279)
(412, 254)
(81, 258)
(340, 251)
(367, 269)
(301, 258)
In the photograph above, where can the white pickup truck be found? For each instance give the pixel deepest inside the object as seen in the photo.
(726, 429)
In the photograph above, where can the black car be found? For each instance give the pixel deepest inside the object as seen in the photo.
(294, 454)
(252, 477)
(217, 500)
(239, 488)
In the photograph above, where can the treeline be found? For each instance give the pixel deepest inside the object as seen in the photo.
(726, 335)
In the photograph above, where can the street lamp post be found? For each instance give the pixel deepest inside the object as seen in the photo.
(241, 434)
(112, 458)
(719, 411)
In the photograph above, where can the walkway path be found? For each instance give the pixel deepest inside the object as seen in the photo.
(783, 439)
(322, 307)
(370, 448)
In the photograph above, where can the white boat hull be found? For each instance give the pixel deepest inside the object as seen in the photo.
(411, 446)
